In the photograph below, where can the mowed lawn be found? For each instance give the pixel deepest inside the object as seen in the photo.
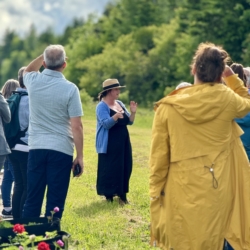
(92, 222)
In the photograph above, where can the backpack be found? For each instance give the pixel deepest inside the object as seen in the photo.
(12, 129)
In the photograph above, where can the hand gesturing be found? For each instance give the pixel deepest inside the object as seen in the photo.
(133, 107)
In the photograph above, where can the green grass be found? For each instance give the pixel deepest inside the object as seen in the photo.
(93, 222)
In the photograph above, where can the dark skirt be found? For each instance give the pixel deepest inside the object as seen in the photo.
(115, 167)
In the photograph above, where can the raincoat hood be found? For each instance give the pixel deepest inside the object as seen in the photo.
(198, 103)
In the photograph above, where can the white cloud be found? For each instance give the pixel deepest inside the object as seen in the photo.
(19, 15)
(47, 7)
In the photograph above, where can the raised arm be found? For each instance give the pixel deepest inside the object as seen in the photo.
(234, 82)
(242, 99)
(35, 65)
(133, 108)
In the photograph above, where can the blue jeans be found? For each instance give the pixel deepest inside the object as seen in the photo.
(2, 160)
(51, 169)
(8, 179)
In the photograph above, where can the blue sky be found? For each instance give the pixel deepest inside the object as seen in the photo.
(18, 15)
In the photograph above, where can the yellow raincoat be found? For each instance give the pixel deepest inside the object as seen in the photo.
(199, 179)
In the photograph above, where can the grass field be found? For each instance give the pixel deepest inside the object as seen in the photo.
(96, 224)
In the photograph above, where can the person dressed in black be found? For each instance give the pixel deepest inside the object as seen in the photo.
(20, 152)
(113, 143)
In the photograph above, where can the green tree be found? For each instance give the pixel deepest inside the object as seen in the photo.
(221, 22)
(9, 58)
(128, 60)
(69, 30)
(11, 65)
(119, 18)
(147, 44)
(31, 41)
(47, 37)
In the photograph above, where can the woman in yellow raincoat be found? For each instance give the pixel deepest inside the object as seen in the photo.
(199, 179)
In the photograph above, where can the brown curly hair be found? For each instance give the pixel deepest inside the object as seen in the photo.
(209, 62)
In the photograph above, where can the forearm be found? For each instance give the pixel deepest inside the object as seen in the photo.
(132, 117)
(35, 65)
(236, 84)
(133, 108)
(78, 140)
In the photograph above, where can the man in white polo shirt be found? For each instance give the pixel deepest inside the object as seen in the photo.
(54, 128)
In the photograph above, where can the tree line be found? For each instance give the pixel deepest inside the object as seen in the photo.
(146, 44)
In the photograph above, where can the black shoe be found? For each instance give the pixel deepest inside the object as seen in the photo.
(109, 198)
(123, 199)
(123, 202)
(6, 214)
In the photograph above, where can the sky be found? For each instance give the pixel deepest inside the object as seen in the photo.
(19, 15)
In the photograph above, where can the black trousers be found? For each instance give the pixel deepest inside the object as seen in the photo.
(51, 169)
(19, 162)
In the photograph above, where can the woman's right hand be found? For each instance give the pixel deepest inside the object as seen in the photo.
(117, 116)
(227, 72)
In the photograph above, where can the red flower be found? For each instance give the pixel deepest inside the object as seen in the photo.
(18, 229)
(43, 246)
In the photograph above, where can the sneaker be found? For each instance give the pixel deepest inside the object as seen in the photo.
(6, 214)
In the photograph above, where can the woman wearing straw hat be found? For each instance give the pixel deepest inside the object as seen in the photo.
(113, 143)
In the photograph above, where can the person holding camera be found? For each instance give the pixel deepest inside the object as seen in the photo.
(199, 171)
(55, 128)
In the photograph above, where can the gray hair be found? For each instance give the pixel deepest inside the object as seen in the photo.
(9, 87)
(54, 56)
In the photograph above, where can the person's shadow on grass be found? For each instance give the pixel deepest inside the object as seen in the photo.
(97, 207)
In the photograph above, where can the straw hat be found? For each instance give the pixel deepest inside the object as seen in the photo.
(110, 84)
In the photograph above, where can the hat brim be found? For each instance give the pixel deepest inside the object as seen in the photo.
(112, 88)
